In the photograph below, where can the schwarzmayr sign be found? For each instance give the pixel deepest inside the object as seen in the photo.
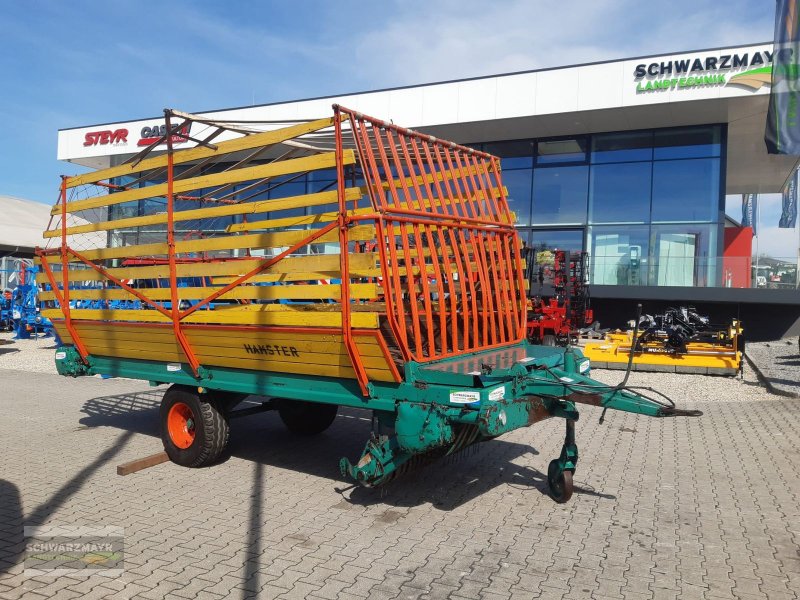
(752, 69)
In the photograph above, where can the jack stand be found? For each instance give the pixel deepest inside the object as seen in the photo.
(559, 472)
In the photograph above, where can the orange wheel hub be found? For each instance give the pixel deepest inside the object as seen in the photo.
(180, 425)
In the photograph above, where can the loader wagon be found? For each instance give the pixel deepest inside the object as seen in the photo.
(344, 261)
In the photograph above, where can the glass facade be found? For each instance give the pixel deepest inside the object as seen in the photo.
(648, 206)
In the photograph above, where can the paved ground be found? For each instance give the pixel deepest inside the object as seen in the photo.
(681, 508)
(35, 354)
(779, 364)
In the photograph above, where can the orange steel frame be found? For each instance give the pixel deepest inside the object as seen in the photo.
(462, 215)
(495, 314)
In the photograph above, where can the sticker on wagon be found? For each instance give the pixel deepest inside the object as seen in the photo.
(61, 355)
(173, 367)
(497, 393)
(465, 397)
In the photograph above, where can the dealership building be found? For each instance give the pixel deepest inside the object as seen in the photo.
(630, 160)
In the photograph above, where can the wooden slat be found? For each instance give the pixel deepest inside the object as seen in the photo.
(294, 221)
(266, 316)
(374, 272)
(300, 276)
(295, 268)
(268, 138)
(359, 233)
(202, 334)
(288, 352)
(215, 212)
(140, 464)
(217, 345)
(358, 291)
(326, 160)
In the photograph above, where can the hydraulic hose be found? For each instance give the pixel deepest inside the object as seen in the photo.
(634, 343)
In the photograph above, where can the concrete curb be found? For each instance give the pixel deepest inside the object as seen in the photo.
(765, 380)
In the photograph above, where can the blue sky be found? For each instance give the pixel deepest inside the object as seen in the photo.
(66, 64)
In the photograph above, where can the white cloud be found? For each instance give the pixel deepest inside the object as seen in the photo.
(776, 242)
(445, 39)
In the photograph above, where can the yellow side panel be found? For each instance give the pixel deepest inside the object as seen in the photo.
(259, 314)
(304, 353)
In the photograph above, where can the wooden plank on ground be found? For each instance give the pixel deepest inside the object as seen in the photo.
(140, 464)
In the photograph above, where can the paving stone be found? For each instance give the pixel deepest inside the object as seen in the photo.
(673, 508)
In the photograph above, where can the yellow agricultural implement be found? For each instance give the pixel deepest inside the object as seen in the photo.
(716, 352)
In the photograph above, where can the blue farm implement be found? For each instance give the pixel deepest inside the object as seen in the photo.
(422, 322)
(20, 307)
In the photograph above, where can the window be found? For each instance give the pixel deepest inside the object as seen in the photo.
(689, 142)
(622, 147)
(686, 190)
(559, 195)
(325, 181)
(517, 154)
(561, 151)
(286, 187)
(557, 239)
(620, 193)
(651, 200)
(519, 194)
(540, 255)
(619, 254)
(684, 255)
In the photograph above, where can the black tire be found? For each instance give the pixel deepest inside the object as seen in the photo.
(205, 432)
(306, 418)
(548, 340)
(560, 483)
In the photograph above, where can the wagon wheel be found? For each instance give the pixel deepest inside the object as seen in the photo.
(194, 427)
(560, 482)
